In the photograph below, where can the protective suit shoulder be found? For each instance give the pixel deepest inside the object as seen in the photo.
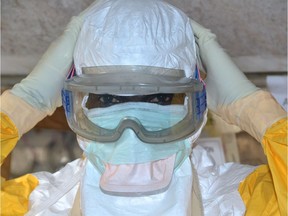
(258, 194)
(264, 191)
(275, 147)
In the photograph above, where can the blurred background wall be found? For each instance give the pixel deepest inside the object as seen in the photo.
(252, 32)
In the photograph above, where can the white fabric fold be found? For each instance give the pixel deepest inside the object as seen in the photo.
(56, 192)
(219, 184)
(218, 187)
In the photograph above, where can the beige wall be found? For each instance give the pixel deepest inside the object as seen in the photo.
(255, 29)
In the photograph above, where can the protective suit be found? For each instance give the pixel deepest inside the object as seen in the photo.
(131, 56)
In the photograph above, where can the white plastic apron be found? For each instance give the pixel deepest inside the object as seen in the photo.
(55, 194)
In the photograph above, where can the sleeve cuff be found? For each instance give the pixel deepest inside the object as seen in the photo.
(22, 114)
(254, 113)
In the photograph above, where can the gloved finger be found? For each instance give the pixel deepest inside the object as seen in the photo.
(202, 34)
(197, 28)
(225, 82)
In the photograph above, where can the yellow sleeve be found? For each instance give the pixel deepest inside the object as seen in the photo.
(264, 191)
(17, 117)
(275, 147)
(9, 136)
(15, 195)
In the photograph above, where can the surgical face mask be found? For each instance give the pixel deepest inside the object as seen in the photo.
(129, 150)
(153, 117)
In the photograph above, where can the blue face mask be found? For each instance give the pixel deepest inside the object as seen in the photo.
(129, 149)
(151, 116)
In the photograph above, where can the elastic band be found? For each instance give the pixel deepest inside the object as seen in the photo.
(72, 72)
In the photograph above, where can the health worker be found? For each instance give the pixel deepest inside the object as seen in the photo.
(127, 73)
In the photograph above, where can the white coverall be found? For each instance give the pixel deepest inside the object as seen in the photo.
(198, 186)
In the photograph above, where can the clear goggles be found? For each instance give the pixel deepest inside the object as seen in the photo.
(140, 96)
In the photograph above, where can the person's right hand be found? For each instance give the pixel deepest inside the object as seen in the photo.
(39, 94)
(42, 87)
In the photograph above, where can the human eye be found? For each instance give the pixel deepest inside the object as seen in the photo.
(109, 100)
(161, 99)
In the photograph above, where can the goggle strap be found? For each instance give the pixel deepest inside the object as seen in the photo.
(72, 72)
(201, 98)
(67, 100)
(201, 101)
